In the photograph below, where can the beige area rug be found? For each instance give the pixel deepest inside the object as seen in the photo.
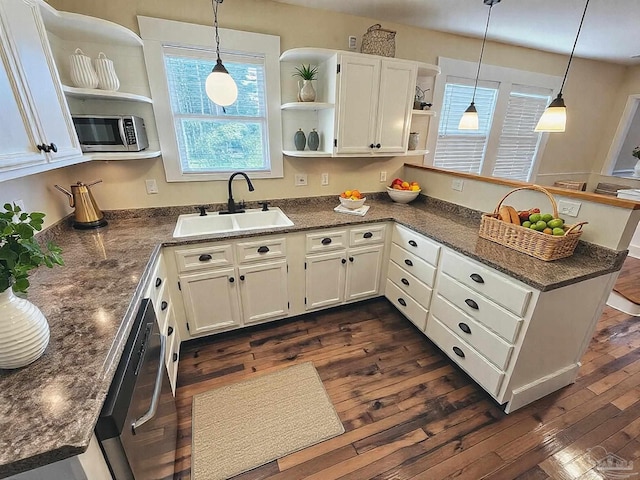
(242, 426)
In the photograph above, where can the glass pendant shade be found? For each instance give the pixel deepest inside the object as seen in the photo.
(554, 118)
(220, 86)
(469, 120)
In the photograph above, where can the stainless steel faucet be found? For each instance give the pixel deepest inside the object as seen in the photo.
(231, 204)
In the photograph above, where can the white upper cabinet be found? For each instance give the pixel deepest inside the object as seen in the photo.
(38, 132)
(375, 100)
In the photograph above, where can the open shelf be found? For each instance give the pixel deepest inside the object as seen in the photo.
(123, 155)
(95, 93)
(429, 113)
(306, 106)
(427, 70)
(307, 55)
(417, 152)
(306, 153)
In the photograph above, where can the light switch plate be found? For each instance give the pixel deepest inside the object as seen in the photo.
(352, 42)
(301, 179)
(568, 208)
(152, 186)
(457, 184)
(325, 179)
(383, 176)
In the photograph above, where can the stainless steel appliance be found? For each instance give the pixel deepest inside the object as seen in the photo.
(137, 428)
(111, 133)
(87, 214)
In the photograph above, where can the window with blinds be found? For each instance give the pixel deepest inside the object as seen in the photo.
(211, 138)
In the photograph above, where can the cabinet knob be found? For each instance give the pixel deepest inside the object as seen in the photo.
(263, 249)
(158, 282)
(402, 302)
(163, 305)
(42, 147)
(476, 278)
(368, 235)
(53, 147)
(344, 260)
(372, 146)
(408, 262)
(471, 303)
(169, 331)
(464, 327)
(205, 257)
(405, 281)
(175, 357)
(413, 243)
(326, 241)
(242, 278)
(351, 259)
(231, 279)
(378, 145)
(458, 352)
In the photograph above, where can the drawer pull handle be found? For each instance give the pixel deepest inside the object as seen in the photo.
(231, 279)
(344, 260)
(163, 305)
(465, 328)
(476, 278)
(405, 281)
(413, 243)
(263, 249)
(242, 278)
(409, 262)
(458, 352)
(368, 235)
(326, 241)
(205, 257)
(158, 282)
(175, 357)
(402, 302)
(471, 303)
(170, 331)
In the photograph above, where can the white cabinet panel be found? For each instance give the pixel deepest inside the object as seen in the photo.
(413, 264)
(409, 307)
(409, 284)
(263, 291)
(325, 279)
(363, 272)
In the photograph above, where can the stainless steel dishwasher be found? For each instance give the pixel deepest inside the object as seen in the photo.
(137, 427)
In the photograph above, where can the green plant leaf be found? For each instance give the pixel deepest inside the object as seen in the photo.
(21, 284)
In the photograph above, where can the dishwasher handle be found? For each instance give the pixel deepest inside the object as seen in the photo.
(156, 390)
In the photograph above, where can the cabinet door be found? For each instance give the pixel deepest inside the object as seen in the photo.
(325, 277)
(397, 91)
(263, 291)
(210, 300)
(357, 103)
(37, 72)
(363, 272)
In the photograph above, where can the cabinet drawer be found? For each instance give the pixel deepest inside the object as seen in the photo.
(162, 307)
(409, 284)
(488, 376)
(413, 264)
(416, 244)
(488, 313)
(488, 282)
(204, 257)
(261, 249)
(367, 235)
(157, 280)
(407, 305)
(483, 340)
(325, 241)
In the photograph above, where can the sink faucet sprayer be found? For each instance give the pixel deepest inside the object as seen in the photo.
(231, 204)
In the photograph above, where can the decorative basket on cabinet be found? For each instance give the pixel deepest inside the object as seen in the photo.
(379, 41)
(536, 244)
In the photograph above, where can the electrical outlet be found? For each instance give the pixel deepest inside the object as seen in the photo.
(352, 42)
(301, 179)
(152, 186)
(457, 184)
(569, 208)
(383, 176)
(325, 179)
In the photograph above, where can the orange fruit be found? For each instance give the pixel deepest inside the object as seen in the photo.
(405, 185)
(356, 193)
(397, 187)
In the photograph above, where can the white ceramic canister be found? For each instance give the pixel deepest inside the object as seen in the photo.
(82, 73)
(107, 78)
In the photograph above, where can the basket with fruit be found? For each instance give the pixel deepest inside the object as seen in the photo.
(541, 235)
(401, 191)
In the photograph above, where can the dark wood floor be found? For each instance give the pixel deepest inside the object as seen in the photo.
(408, 413)
(629, 279)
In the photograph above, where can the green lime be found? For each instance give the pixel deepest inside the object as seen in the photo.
(526, 224)
(547, 217)
(558, 231)
(555, 223)
(541, 225)
(536, 217)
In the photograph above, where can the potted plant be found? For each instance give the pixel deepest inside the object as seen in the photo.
(636, 168)
(306, 92)
(25, 331)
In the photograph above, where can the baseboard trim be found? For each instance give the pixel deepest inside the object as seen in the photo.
(618, 302)
(634, 251)
(533, 391)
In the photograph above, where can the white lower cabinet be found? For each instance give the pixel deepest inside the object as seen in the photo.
(263, 291)
(325, 277)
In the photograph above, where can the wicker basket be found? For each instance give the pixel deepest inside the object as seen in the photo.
(537, 244)
(378, 41)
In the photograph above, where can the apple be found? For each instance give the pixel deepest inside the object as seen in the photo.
(397, 181)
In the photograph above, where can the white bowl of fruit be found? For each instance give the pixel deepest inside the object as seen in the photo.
(402, 191)
(352, 199)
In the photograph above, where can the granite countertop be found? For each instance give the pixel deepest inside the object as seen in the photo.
(48, 410)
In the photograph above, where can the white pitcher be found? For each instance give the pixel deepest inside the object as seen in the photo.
(107, 78)
(82, 73)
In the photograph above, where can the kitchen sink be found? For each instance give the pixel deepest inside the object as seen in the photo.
(193, 224)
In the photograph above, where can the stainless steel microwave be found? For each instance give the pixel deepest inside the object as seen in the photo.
(111, 133)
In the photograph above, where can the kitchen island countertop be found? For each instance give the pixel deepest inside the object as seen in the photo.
(48, 410)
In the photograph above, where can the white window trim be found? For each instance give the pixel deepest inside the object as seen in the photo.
(156, 33)
(506, 77)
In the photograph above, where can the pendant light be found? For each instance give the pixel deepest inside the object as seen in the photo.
(554, 118)
(469, 120)
(220, 86)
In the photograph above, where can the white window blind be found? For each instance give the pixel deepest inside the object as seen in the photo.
(464, 150)
(518, 143)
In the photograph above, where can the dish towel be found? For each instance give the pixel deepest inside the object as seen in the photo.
(361, 211)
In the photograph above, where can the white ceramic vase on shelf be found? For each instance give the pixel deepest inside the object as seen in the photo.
(25, 331)
(307, 93)
(636, 169)
(82, 73)
(107, 78)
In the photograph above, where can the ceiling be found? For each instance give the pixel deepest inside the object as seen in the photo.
(609, 30)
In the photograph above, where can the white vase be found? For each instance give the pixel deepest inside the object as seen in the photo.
(25, 331)
(107, 78)
(82, 73)
(636, 169)
(307, 92)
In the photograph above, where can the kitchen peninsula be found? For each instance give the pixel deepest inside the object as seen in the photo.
(49, 408)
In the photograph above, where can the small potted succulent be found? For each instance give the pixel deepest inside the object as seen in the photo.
(306, 92)
(25, 329)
